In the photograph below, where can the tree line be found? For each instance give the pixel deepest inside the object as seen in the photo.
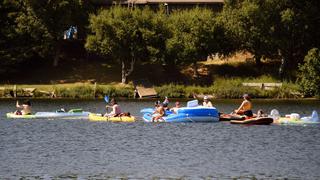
(284, 30)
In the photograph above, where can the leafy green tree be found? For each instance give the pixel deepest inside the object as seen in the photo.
(249, 23)
(161, 32)
(271, 28)
(56, 17)
(309, 73)
(127, 35)
(22, 36)
(33, 28)
(296, 31)
(195, 35)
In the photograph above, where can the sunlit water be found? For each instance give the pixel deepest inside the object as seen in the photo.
(79, 149)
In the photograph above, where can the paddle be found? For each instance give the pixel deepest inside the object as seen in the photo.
(106, 99)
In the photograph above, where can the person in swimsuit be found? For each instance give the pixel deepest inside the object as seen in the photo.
(160, 112)
(245, 107)
(25, 108)
(175, 109)
(206, 102)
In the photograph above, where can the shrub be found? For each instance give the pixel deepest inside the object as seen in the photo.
(113, 91)
(309, 73)
(84, 91)
(171, 90)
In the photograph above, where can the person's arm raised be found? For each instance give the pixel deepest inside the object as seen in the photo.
(17, 104)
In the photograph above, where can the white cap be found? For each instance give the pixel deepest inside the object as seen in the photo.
(205, 97)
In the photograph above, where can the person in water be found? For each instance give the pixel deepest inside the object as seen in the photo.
(175, 109)
(116, 110)
(25, 108)
(206, 102)
(245, 107)
(159, 113)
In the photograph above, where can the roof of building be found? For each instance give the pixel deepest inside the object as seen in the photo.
(176, 1)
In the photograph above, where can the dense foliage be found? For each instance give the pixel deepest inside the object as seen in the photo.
(126, 35)
(31, 29)
(282, 30)
(195, 35)
(309, 73)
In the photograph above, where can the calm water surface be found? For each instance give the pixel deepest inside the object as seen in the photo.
(79, 149)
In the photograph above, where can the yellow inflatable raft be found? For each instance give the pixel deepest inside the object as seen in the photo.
(98, 117)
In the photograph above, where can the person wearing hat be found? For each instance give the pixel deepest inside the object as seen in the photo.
(116, 110)
(245, 107)
(166, 101)
(206, 102)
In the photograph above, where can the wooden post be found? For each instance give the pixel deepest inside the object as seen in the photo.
(94, 89)
(15, 91)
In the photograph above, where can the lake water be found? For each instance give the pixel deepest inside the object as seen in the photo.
(79, 149)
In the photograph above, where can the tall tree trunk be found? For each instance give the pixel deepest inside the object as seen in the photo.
(126, 72)
(56, 59)
(283, 66)
(257, 58)
(57, 54)
(195, 70)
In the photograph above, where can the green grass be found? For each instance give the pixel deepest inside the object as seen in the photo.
(77, 90)
(230, 88)
(221, 88)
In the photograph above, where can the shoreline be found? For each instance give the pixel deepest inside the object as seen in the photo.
(159, 98)
(221, 89)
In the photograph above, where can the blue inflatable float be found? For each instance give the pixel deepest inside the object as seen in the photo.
(191, 113)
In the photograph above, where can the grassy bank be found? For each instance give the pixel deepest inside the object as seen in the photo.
(221, 88)
(72, 90)
(231, 88)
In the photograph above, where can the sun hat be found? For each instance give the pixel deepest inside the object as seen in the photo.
(205, 97)
(246, 96)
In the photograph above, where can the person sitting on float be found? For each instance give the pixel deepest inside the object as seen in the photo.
(245, 107)
(175, 109)
(25, 108)
(159, 113)
(206, 102)
(116, 110)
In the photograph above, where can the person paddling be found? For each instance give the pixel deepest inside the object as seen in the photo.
(25, 108)
(245, 107)
(116, 110)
